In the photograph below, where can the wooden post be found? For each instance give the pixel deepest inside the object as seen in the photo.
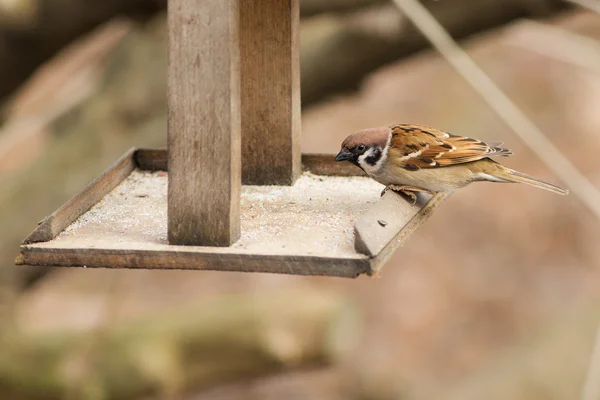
(204, 122)
(269, 32)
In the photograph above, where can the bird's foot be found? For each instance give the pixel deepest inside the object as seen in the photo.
(406, 190)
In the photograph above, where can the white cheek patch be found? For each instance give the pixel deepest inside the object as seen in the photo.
(362, 161)
(372, 169)
(377, 167)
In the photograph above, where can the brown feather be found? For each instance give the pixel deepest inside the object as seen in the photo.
(416, 146)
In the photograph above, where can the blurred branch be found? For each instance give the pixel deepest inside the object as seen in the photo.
(229, 339)
(31, 31)
(337, 51)
(126, 108)
(529, 133)
(592, 5)
(17, 14)
(312, 7)
(558, 43)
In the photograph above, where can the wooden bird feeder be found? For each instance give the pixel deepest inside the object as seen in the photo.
(234, 117)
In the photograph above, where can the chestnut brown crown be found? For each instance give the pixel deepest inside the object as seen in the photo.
(357, 143)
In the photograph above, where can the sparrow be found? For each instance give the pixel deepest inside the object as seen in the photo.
(415, 158)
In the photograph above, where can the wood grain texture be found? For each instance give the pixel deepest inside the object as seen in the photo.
(270, 91)
(405, 231)
(151, 159)
(324, 164)
(55, 223)
(318, 164)
(204, 122)
(375, 243)
(378, 226)
(188, 257)
(228, 259)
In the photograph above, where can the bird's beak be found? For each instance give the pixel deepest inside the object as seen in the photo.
(344, 155)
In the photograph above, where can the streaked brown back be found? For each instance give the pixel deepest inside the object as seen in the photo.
(417, 146)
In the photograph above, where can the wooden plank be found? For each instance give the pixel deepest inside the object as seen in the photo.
(402, 235)
(376, 240)
(152, 159)
(378, 226)
(179, 257)
(225, 259)
(204, 122)
(318, 164)
(270, 93)
(324, 164)
(55, 223)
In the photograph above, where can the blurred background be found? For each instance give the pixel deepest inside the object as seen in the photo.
(495, 297)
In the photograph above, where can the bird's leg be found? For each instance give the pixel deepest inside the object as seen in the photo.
(409, 191)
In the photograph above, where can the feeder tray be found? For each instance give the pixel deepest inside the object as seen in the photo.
(331, 222)
(234, 118)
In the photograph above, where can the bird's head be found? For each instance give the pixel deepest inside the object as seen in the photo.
(367, 148)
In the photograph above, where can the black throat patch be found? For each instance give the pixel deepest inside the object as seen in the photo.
(374, 158)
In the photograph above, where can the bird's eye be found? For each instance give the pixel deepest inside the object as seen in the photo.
(361, 148)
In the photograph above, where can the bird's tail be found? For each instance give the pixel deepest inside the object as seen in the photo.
(510, 175)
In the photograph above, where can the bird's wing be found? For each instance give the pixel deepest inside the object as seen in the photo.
(416, 146)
